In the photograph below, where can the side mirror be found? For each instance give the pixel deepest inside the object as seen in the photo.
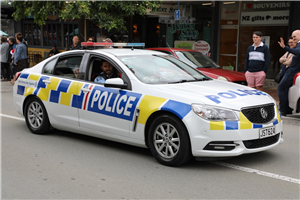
(115, 83)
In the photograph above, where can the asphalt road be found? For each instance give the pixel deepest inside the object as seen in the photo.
(63, 165)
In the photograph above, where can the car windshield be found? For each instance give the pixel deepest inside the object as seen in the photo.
(154, 69)
(196, 59)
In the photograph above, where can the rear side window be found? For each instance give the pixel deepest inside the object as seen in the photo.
(48, 69)
(67, 67)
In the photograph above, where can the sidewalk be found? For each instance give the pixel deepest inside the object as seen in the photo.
(270, 87)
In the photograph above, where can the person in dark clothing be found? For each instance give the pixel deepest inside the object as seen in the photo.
(76, 43)
(287, 80)
(257, 62)
(53, 51)
(108, 71)
(12, 45)
(286, 59)
(90, 39)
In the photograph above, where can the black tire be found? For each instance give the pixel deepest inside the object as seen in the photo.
(173, 148)
(36, 116)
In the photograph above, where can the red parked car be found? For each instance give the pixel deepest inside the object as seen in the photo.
(204, 64)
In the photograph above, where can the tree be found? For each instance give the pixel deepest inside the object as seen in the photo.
(108, 14)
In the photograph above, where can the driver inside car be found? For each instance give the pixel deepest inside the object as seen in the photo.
(108, 71)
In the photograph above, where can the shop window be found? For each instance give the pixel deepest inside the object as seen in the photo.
(69, 31)
(52, 34)
(32, 34)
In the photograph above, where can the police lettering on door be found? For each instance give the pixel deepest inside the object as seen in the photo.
(112, 102)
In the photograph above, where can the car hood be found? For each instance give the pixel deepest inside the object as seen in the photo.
(217, 93)
(229, 74)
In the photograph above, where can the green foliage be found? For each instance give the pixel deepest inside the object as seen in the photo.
(108, 14)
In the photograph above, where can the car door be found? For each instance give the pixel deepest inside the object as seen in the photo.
(106, 110)
(58, 88)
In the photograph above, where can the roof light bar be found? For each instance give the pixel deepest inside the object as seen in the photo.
(103, 44)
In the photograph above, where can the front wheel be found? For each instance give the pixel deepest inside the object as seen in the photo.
(169, 141)
(36, 116)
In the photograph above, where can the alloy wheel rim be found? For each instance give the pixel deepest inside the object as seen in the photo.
(35, 115)
(166, 140)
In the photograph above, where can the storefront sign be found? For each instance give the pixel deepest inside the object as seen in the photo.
(184, 44)
(170, 20)
(6, 13)
(187, 31)
(268, 18)
(164, 9)
(201, 46)
(264, 6)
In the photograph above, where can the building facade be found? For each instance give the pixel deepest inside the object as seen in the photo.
(220, 29)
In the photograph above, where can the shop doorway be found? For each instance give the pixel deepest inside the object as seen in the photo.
(228, 47)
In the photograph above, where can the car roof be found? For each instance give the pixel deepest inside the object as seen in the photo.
(126, 52)
(171, 49)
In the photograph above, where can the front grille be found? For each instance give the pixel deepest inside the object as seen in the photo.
(241, 82)
(258, 143)
(254, 114)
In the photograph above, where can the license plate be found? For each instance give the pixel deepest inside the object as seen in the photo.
(267, 132)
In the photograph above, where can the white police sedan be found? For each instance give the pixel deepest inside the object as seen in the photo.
(154, 101)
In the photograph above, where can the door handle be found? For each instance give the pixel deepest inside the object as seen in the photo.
(85, 89)
(46, 81)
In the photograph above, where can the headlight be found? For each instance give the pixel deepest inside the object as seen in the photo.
(222, 78)
(214, 113)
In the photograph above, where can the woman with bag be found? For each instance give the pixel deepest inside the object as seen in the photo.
(286, 59)
(20, 55)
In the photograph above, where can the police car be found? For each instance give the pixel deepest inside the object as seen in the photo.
(157, 102)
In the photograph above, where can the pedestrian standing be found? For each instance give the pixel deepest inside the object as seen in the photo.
(287, 80)
(76, 43)
(12, 45)
(257, 62)
(286, 59)
(53, 51)
(20, 56)
(5, 72)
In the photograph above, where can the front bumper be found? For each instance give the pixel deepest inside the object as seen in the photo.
(206, 142)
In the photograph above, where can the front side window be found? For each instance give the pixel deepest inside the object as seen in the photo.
(153, 69)
(196, 60)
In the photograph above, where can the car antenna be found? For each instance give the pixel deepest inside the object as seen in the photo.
(169, 47)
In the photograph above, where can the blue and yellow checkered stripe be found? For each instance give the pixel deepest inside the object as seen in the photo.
(242, 124)
(59, 91)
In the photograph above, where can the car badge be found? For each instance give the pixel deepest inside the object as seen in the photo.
(263, 113)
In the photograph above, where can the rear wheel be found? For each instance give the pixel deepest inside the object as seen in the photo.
(169, 142)
(36, 116)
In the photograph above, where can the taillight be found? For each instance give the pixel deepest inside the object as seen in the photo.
(17, 75)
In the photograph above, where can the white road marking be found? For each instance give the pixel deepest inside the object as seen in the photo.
(268, 174)
(245, 169)
(12, 117)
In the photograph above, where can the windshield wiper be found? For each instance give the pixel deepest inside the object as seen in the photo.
(183, 80)
(209, 66)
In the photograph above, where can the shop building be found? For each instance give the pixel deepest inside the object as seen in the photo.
(7, 22)
(221, 29)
